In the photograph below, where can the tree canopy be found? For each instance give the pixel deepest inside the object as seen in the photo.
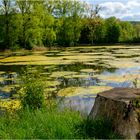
(28, 23)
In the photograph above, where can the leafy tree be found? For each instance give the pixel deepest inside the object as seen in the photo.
(97, 30)
(31, 15)
(94, 25)
(24, 7)
(6, 10)
(49, 33)
(28, 23)
(69, 13)
(136, 32)
(126, 32)
(113, 30)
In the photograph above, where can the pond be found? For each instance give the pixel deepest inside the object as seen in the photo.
(76, 73)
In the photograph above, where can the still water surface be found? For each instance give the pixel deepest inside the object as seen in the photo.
(77, 74)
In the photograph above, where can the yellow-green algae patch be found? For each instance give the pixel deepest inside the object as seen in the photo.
(46, 61)
(123, 63)
(73, 91)
(127, 51)
(79, 76)
(119, 78)
(1, 79)
(2, 72)
(63, 73)
(50, 89)
(39, 59)
(23, 58)
(91, 63)
(8, 88)
(52, 83)
(137, 83)
(88, 70)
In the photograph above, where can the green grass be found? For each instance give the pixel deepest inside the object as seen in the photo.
(100, 128)
(40, 124)
(53, 124)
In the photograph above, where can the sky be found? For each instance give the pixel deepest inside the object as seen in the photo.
(124, 9)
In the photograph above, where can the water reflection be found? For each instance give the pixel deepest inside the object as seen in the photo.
(79, 103)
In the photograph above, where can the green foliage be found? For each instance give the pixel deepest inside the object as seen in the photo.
(33, 90)
(113, 30)
(70, 22)
(28, 24)
(96, 30)
(127, 32)
(136, 32)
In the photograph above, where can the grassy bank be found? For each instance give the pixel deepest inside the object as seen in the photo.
(53, 124)
(40, 124)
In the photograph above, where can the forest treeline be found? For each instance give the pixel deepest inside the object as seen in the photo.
(29, 23)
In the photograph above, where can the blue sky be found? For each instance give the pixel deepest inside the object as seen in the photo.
(123, 9)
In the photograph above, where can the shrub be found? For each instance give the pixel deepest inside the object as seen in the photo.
(33, 89)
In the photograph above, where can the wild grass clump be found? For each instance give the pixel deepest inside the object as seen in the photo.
(40, 124)
(54, 124)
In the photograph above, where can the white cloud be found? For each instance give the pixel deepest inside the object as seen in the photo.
(133, 4)
(129, 9)
(113, 9)
(132, 17)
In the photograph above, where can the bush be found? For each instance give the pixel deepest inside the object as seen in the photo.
(33, 89)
